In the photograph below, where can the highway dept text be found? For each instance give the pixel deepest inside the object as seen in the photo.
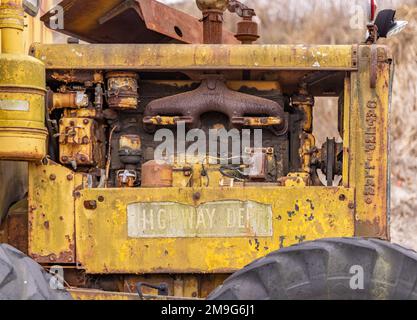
(212, 219)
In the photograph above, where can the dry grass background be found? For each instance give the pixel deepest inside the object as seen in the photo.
(329, 22)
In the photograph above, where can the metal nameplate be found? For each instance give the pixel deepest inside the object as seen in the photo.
(14, 105)
(211, 219)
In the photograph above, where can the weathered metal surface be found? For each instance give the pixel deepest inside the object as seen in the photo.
(15, 226)
(51, 214)
(122, 90)
(143, 21)
(299, 179)
(156, 175)
(91, 295)
(22, 108)
(369, 136)
(224, 219)
(70, 99)
(212, 26)
(191, 286)
(299, 214)
(247, 29)
(81, 142)
(214, 96)
(194, 57)
(305, 102)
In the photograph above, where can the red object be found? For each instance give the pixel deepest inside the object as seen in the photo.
(374, 8)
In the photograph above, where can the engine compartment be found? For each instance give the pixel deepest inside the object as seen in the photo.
(108, 125)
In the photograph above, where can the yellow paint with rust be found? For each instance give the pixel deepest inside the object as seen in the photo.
(299, 179)
(51, 213)
(346, 132)
(76, 141)
(299, 214)
(369, 142)
(163, 120)
(261, 122)
(188, 57)
(22, 108)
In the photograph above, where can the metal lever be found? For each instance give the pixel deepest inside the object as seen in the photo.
(162, 289)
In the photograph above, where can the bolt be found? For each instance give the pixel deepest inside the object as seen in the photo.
(100, 199)
(351, 205)
(196, 196)
(90, 205)
(52, 177)
(70, 177)
(342, 197)
(86, 121)
(64, 159)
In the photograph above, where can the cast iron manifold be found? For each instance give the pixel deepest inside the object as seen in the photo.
(213, 95)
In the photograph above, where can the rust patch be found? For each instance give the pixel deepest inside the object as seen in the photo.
(371, 229)
(66, 257)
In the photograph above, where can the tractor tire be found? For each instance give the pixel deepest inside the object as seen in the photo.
(327, 269)
(21, 278)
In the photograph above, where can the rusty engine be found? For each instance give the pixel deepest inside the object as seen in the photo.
(103, 123)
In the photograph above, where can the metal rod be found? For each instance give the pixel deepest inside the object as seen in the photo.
(11, 26)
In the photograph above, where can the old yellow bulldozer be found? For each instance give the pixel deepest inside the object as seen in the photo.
(166, 154)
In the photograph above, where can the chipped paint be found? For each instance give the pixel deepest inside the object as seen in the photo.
(98, 254)
(173, 57)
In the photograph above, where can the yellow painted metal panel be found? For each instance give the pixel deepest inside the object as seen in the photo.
(51, 214)
(170, 56)
(369, 141)
(299, 214)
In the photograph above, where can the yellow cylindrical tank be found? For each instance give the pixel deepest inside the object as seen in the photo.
(22, 108)
(22, 91)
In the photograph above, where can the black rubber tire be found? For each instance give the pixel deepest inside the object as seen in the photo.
(322, 270)
(21, 278)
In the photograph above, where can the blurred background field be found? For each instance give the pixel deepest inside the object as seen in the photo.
(330, 22)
